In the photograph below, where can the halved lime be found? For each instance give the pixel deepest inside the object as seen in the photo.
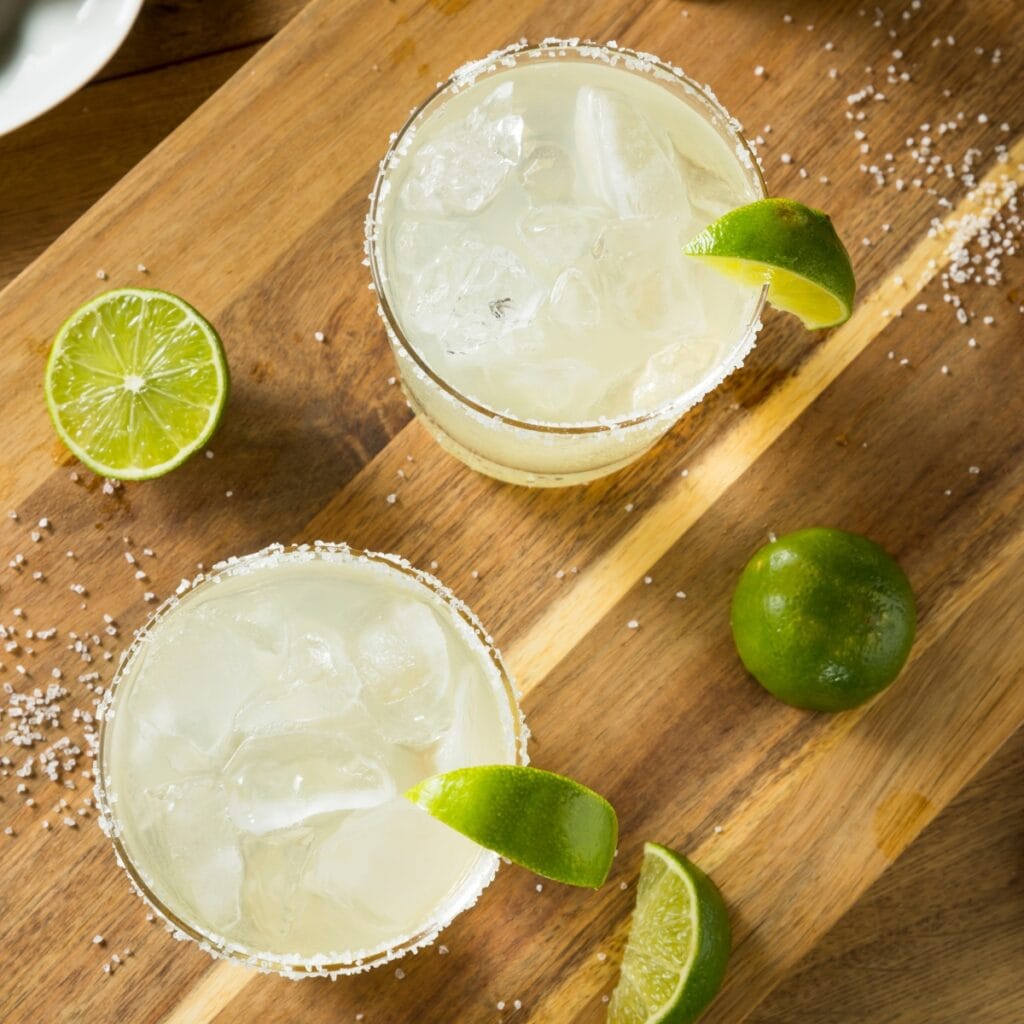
(789, 247)
(539, 820)
(678, 945)
(136, 383)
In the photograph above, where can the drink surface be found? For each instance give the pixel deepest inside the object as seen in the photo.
(262, 736)
(531, 236)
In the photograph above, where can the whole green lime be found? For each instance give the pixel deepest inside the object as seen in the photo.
(823, 619)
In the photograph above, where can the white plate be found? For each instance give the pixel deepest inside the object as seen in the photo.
(54, 49)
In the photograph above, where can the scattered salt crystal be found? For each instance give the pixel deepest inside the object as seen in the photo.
(399, 973)
(974, 470)
(101, 274)
(391, 498)
(759, 71)
(786, 158)
(633, 624)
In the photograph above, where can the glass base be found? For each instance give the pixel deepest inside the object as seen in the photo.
(512, 474)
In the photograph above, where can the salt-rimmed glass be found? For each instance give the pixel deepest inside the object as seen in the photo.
(469, 889)
(521, 450)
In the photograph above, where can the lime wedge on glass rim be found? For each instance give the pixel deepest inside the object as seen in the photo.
(136, 382)
(545, 822)
(788, 246)
(678, 945)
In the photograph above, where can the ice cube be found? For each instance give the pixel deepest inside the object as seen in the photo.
(401, 655)
(279, 781)
(200, 848)
(574, 300)
(475, 701)
(564, 390)
(165, 757)
(641, 269)
(394, 864)
(560, 235)
(670, 372)
(465, 166)
(417, 243)
(474, 295)
(711, 194)
(628, 163)
(273, 868)
(547, 173)
(318, 684)
(205, 665)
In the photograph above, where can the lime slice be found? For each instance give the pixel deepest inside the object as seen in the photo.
(541, 821)
(136, 383)
(678, 944)
(789, 247)
(823, 619)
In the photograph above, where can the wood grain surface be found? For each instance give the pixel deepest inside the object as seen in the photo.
(253, 211)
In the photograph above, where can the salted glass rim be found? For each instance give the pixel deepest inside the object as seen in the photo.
(220, 947)
(633, 62)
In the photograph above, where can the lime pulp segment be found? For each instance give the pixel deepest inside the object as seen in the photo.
(545, 822)
(678, 945)
(136, 382)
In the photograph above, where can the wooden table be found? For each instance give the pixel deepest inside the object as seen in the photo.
(252, 210)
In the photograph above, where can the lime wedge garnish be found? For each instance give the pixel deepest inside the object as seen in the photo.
(789, 247)
(136, 382)
(678, 944)
(541, 821)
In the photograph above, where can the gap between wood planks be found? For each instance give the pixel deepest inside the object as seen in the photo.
(601, 586)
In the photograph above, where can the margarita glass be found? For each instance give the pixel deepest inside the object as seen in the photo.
(525, 238)
(257, 741)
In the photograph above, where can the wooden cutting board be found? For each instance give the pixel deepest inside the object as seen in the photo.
(253, 211)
